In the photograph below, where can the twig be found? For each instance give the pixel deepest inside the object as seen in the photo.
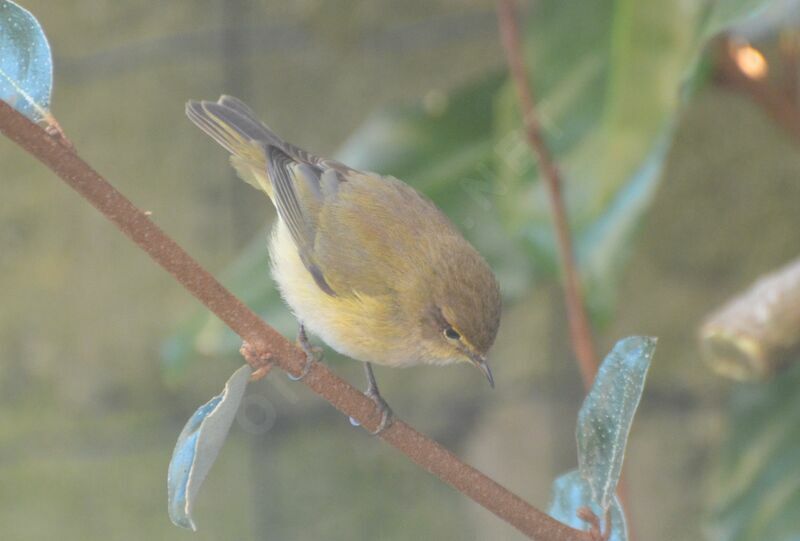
(423, 451)
(758, 332)
(579, 328)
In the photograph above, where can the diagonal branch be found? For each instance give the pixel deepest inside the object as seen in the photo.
(426, 453)
(579, 329)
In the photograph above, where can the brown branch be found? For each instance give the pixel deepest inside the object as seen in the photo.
(579, 329)
(758, 332)
(426, 453)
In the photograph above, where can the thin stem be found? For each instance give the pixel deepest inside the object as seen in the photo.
(426, 453)
(579, 329)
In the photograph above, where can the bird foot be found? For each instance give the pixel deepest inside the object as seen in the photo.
(261, 362)
(386, 412)
(313, 354)
(375, 396)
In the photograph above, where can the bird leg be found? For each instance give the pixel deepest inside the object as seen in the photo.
(375, 396)
(313, 353)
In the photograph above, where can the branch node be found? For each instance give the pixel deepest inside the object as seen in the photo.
(259, 360)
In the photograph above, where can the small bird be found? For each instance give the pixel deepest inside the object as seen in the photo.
(363, 260)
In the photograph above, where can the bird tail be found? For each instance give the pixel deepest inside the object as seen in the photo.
(235, 126)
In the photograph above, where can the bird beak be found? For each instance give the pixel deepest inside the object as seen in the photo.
(483, 365)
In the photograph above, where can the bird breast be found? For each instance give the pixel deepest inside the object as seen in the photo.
(362, 327)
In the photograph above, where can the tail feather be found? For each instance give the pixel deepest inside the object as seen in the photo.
(236, 127)
(238, 105)
(238, 134)
(246, 126)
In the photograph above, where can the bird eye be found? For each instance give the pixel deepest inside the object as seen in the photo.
(452, 334)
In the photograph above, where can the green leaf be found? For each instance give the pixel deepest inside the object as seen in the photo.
(26, 65)
(199, 444)
(757, 490)
(605, 418)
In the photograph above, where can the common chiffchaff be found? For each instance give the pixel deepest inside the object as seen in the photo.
(364, 261)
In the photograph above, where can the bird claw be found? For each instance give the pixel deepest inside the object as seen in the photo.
(386, 412)
(313, 354)
(375, 395)
(261, 362)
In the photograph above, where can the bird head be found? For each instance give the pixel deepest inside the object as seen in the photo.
(462, 315)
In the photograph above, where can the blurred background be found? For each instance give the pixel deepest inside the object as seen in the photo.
(675, 124)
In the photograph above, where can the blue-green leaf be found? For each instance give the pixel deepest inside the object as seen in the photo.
(570, 493)
(199, 444)
(26, 65)
(604, 422)
(605, 418)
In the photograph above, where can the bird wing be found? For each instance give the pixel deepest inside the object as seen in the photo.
(344, 222)
(298, 197)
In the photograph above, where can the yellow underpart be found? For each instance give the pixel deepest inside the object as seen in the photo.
(354, 325)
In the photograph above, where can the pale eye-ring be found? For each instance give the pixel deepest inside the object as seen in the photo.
(451, 334)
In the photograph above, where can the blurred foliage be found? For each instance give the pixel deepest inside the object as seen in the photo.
(721, 15)
(757, 490)
(610, 78)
